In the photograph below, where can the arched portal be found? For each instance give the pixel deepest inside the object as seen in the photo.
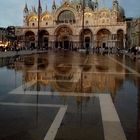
(120, 36)
(103, 37)
(86, 38)
(43, 39)
(29, 40)
(64, 37)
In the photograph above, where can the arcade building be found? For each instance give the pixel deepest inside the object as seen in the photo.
(71, 24)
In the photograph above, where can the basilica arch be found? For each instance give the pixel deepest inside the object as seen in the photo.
(120, 39)
(86, 37)
(63, 37)
(103, 38)
(44, 39)
(29, 39)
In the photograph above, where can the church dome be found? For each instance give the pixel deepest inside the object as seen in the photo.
(88, 3)
(121, 10)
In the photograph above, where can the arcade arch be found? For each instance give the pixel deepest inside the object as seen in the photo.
(64, 37)
(86, 37)
(103, 37)
(44, 39)
(30, 39)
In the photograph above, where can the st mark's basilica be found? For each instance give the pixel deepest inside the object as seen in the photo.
(71, 24)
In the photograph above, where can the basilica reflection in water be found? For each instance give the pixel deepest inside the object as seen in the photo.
(72, 76)
(77, 75)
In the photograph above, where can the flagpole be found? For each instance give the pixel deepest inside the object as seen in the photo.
(38, 30)
(83, 19)
(38, 47)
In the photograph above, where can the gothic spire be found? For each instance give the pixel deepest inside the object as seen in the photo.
(26, 8)
(53, 5)
(96, 4)
(34, 9)
(39, 7)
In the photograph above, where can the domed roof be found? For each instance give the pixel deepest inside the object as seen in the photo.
(88, 3)
(121, 10)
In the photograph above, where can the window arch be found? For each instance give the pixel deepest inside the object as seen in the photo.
(66, 16)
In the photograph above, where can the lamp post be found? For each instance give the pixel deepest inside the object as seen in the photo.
(83, 19)
(38, 32)
(38, 47)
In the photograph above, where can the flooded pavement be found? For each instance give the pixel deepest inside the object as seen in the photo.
(60, 88)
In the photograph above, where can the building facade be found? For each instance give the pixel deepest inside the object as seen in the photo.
(72, 24)
(7, 36)
(3, 33)
(129, 32)
(135, 33)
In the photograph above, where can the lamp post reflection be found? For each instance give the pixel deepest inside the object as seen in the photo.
(138, 106)
(38, 47)
(81, 104)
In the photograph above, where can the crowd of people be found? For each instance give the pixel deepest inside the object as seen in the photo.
(135, 50)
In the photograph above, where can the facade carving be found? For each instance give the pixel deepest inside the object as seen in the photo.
(64, 27)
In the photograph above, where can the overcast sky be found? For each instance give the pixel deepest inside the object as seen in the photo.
(11, 11)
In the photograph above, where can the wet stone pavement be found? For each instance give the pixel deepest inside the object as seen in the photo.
(54, 96)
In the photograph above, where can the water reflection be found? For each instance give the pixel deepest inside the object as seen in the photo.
(51, 74)
(137, 81)
(78, 74)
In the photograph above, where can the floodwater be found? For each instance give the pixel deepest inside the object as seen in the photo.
(67, 78)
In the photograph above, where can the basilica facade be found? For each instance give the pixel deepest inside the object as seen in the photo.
(73, 24)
